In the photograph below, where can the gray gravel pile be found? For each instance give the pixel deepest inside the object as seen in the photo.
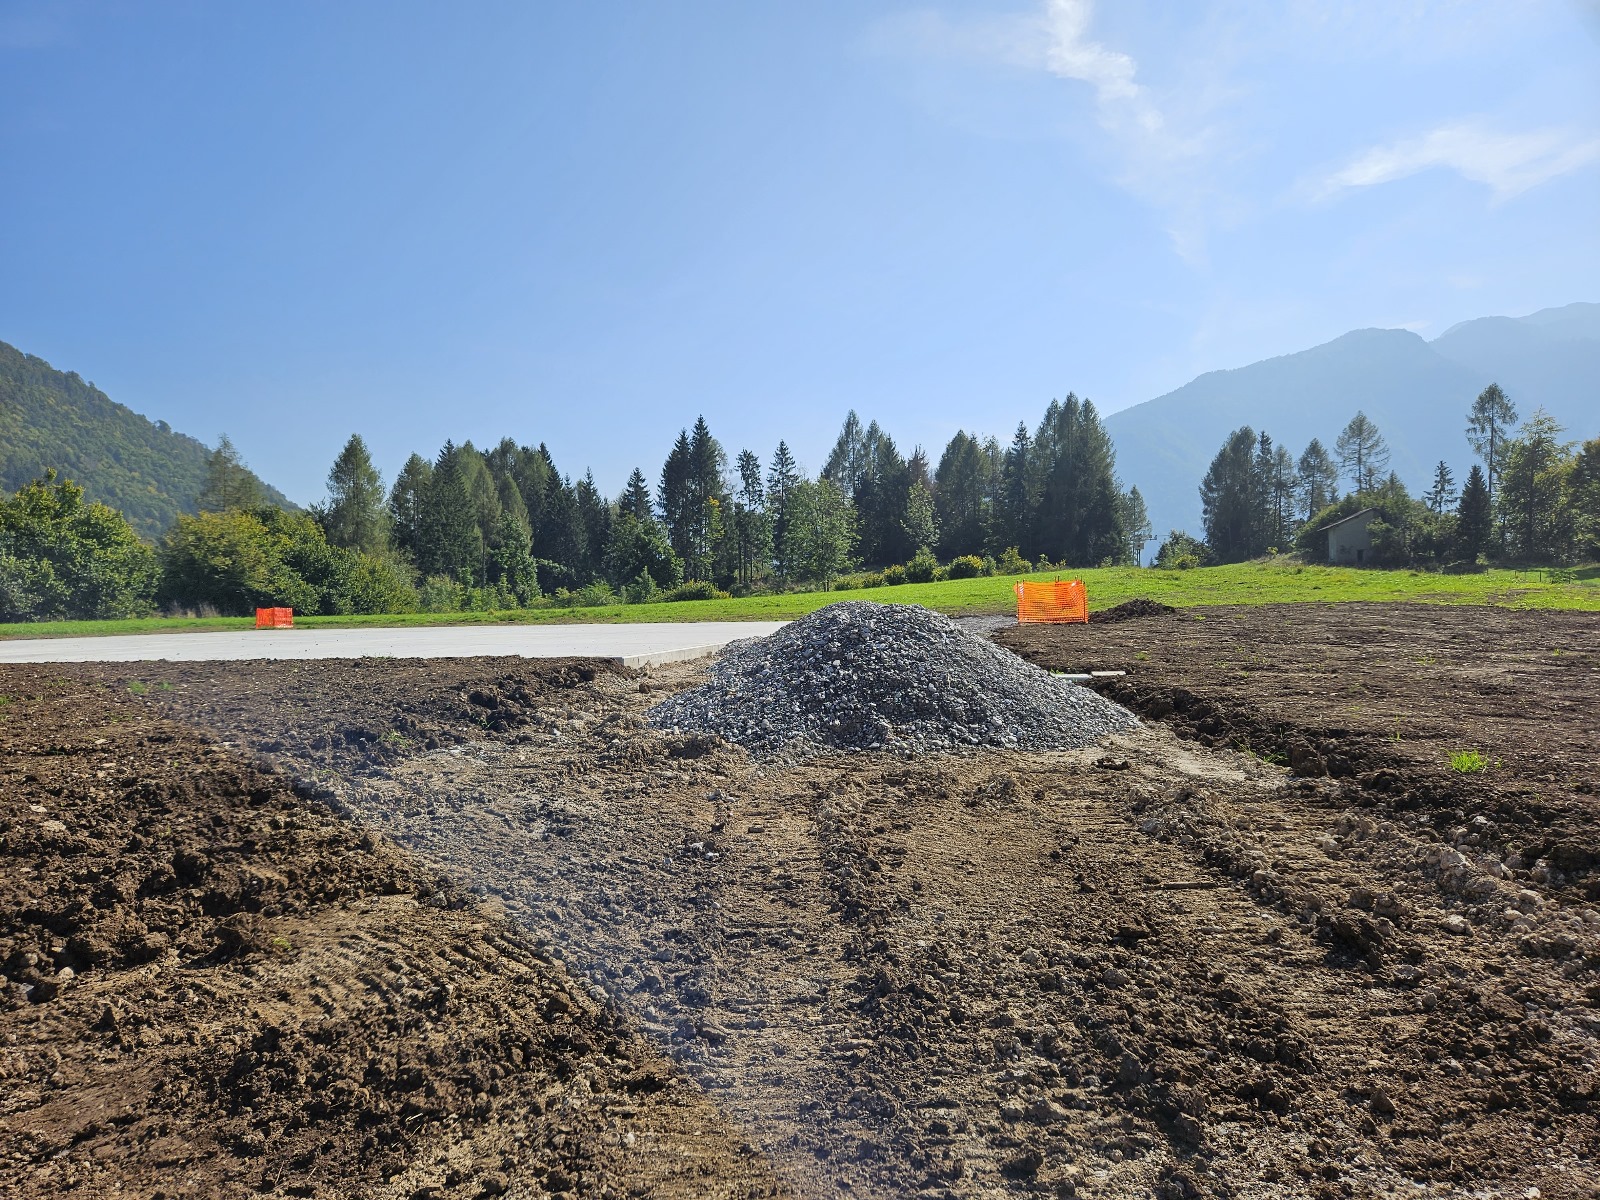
(863, 676)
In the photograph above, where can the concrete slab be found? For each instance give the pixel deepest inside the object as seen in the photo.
(632, 645)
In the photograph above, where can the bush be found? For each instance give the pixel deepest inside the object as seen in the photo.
(695, 589)
(894, 576)
(1011, 563)
(439, 594)
(872, 579)
(597, 595)
(60, 557)
(969, 566)
(1180, 552)
(641, 589)
(922, 567)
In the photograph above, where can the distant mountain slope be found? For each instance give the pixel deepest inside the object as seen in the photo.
(50, 418)
(1417, 392)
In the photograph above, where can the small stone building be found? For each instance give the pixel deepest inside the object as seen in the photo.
(1350, 538)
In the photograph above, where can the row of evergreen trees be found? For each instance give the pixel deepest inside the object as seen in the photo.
(1534, 498)
(508, 518)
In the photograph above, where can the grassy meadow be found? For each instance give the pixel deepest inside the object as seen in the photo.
(1245, 583)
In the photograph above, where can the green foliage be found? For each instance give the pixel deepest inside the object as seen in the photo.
(355, 517)
(1468, 762)
(820, 529)
(54, 420)
(63, 558)
(641, 589)
(235, 562)
(894, 576)
(922, 567)
(694, 589)
(1532, 501)
(229, 484)
(1180, 552)
(1363, 454)
(1011, 562)
(969, 566)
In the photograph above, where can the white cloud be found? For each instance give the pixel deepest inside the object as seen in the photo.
(1507, 163)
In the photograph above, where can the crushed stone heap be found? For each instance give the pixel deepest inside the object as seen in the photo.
(865, 676)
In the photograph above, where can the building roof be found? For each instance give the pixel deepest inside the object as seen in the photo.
(1355, 516)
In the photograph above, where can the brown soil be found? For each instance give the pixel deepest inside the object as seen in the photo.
(1163, 967)
(214, 986)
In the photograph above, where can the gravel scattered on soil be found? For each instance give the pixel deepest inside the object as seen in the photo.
(864, 676)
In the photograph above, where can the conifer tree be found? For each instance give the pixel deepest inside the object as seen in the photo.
(1474, 515)
(1443, 492)
(406, 503)
(1229, 497)
(635, 498)
(1489, 424)
(1319, 479)
(355, 518)
(229, 484)
(1363, 454)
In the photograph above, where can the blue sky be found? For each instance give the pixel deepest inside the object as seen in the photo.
(584, 224)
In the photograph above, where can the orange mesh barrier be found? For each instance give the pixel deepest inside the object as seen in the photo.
(274, 618)
(1056, 603)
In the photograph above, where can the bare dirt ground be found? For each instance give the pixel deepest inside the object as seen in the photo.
(1169, 966)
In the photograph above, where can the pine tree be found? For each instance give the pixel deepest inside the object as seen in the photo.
(1363, 454)
(229, 484)
(782, 476)
(1078, 515)
(1443, 492)
(1283, 485)
(1533, 489)
(355, 517)
(1230, 496)
(448, 542)
(848, 458)
(960, 493)
(1474, 515)
(920, 527)
(406, 502)
(675, 498)
(594, 514)
(635, 498)
(1489, 424)
(1319, 479)
(1583, 489)
(1013, 509)
(1136, 526)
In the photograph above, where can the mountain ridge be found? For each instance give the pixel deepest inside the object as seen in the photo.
(1417, 392)
(51, 418)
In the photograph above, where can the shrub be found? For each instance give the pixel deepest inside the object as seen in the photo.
(61, 557)
(641, 589)
(1180, 552)
(1011, 562)
(872, 579)
(439, 594)
(968, 566)
(894, 576)
(922, 567)
(597, 595)
(695, 589)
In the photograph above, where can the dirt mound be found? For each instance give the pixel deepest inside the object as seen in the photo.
(863, 676)
(211, 985)
(1132, 610)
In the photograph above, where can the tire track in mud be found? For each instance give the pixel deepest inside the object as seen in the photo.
(1155, 969)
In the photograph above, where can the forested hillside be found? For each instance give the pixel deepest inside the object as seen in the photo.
(51, 418)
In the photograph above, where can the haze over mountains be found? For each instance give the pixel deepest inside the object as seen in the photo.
(1416, 391)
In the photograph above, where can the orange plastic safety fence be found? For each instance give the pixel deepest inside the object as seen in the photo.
(1055, 603)
(274, 618)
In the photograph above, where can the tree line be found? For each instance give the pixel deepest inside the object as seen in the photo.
(1533, 497)
(505, 527)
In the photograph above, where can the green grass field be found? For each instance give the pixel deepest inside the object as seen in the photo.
(1248, 583)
